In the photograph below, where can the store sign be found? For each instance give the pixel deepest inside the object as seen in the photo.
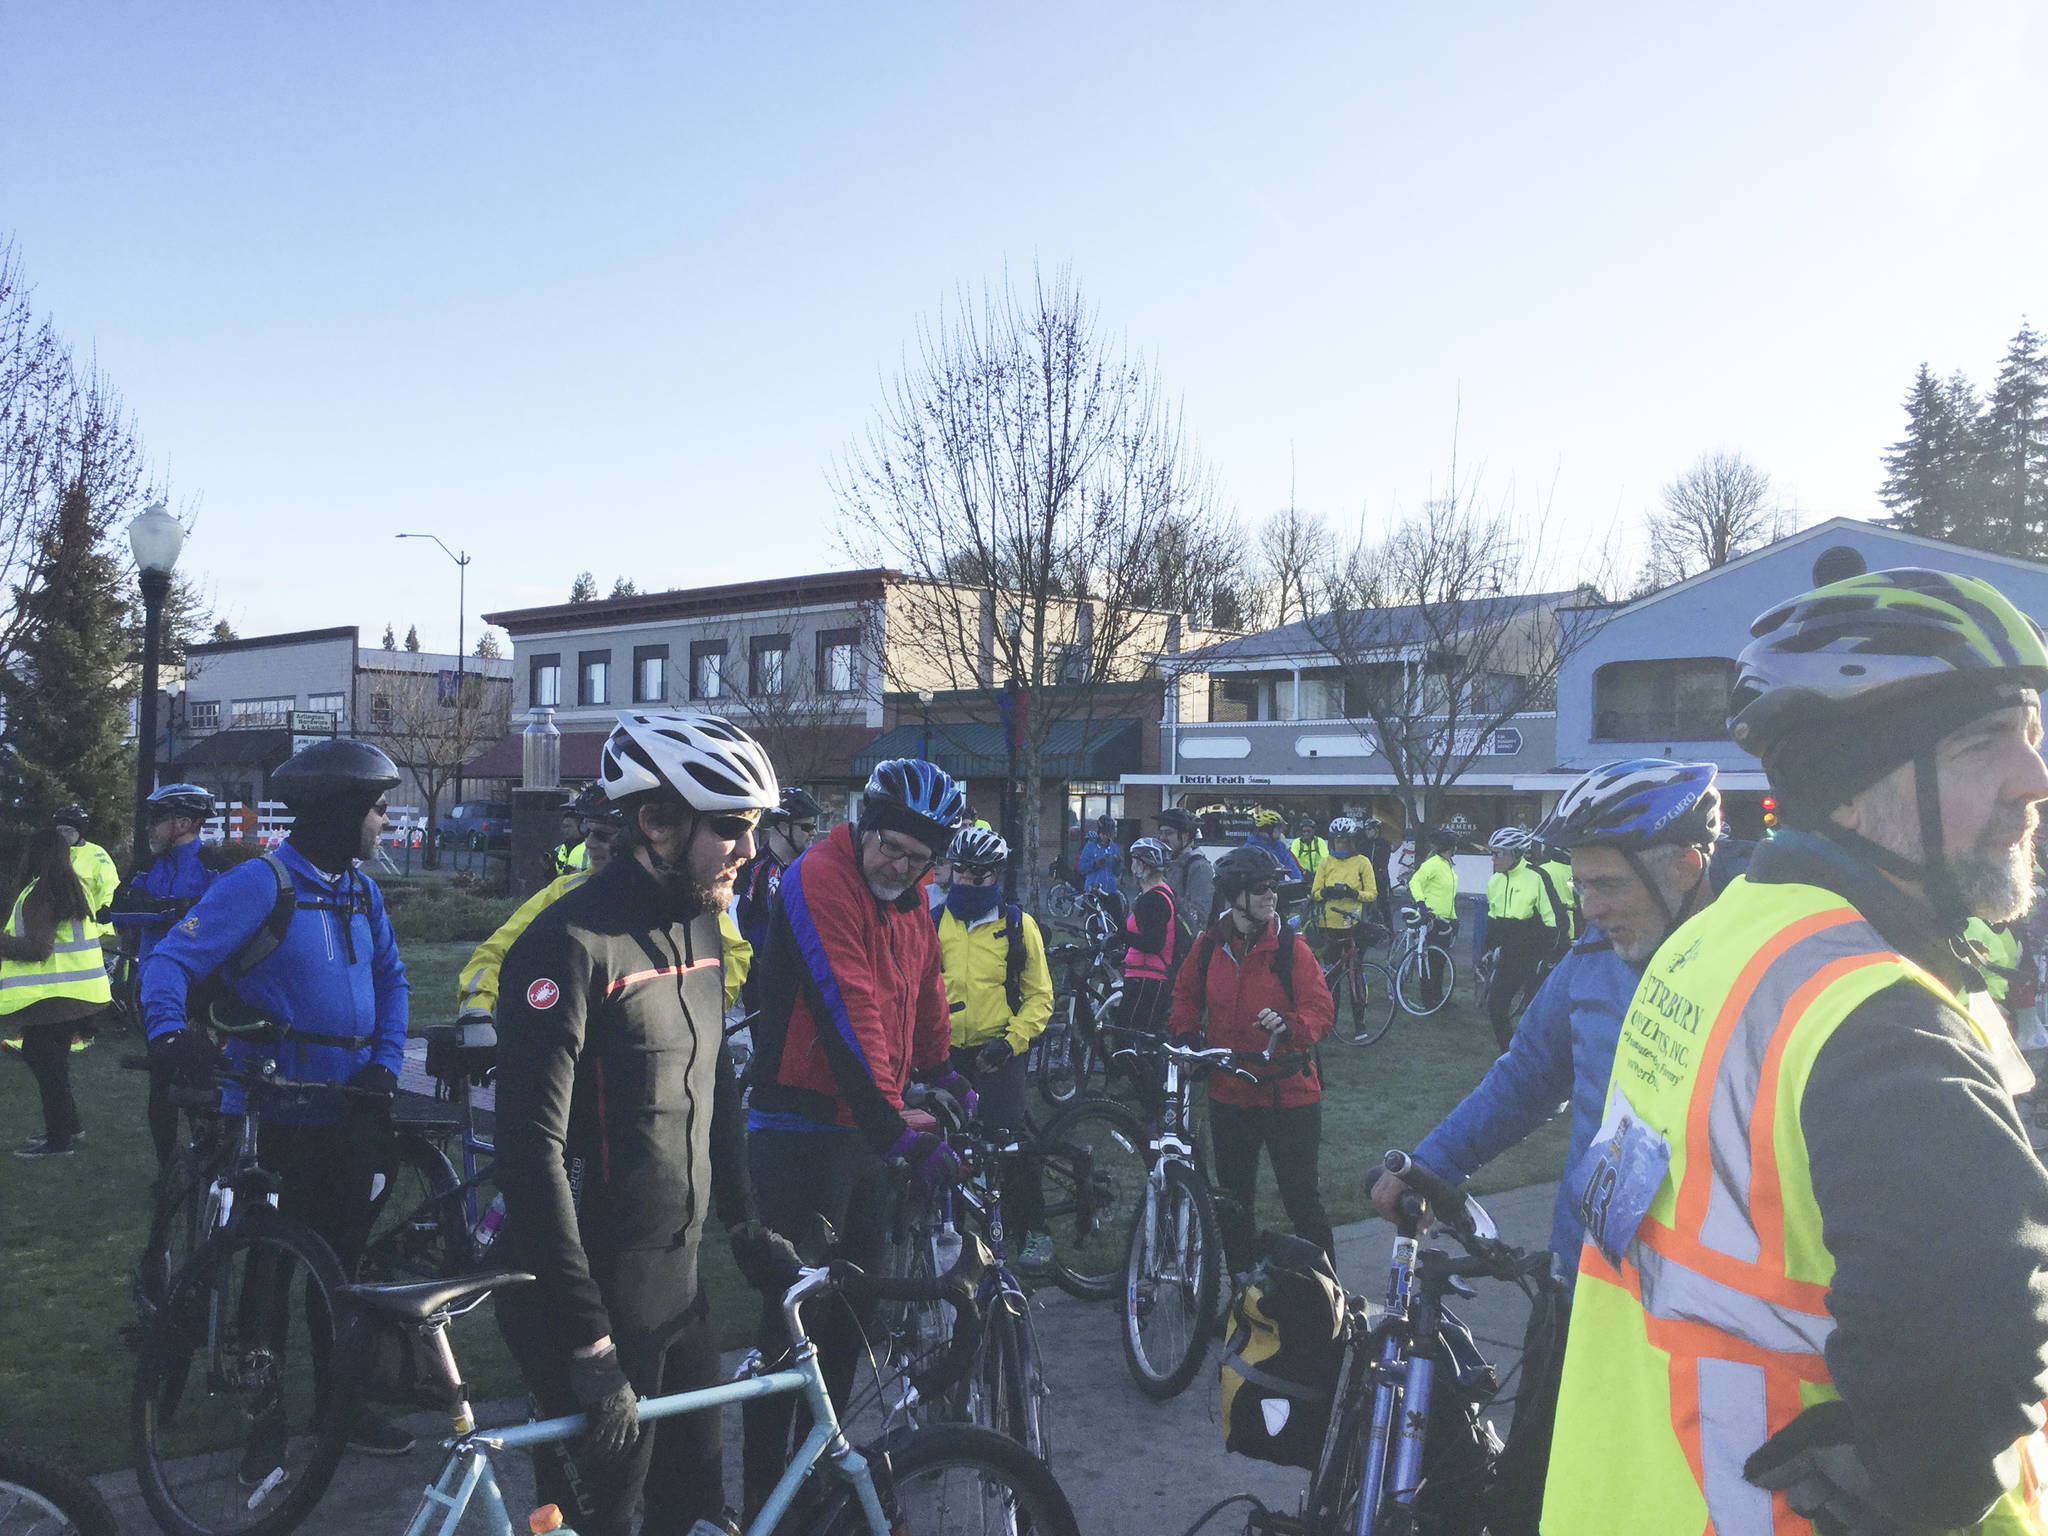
(1226, 778)
(310, 725)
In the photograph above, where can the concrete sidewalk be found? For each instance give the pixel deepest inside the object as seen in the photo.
(1132, 1467)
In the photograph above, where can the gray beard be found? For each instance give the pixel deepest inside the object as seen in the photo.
(1996, 881)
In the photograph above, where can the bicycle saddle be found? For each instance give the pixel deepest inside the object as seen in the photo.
(419, 1300)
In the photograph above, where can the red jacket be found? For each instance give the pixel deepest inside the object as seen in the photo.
(852, 999)
(1238, 991)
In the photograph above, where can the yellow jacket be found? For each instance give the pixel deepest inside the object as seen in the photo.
(94, 867)
(1518, 896)
(976, 962)
(477, 987)
(1435, 885)
(1354, 870)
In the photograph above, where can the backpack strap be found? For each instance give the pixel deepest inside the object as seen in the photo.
(1557, 906)
(1283, 960)
(1204, 953)
(263, 942)
(1013, 962)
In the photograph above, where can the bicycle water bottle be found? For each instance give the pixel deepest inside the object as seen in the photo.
(487, 1228)
(946, 1247)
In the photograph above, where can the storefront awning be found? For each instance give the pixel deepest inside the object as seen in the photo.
(1074, 749)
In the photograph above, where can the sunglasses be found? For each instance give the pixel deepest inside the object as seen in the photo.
(730, 829)
(1263, 888)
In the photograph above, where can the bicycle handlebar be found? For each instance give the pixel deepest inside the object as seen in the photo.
(956, 1288)
(1490, 1256)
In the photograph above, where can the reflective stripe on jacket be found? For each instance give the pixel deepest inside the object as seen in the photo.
(76, 968)
(1710, 1335)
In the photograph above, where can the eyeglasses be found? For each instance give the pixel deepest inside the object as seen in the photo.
(1263, 888)
(896, 853)
(730, 829)
(978, 876)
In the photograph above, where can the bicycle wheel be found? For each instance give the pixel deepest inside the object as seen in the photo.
(180, 1217)
(1423, 983)
(420, 1230)
(1059, 1065)
(1061, 900)
(41, 1497)
(1091, 1159)
(1369, 1004)
(1170, 1282)
(947, 1480)
(233, 1428)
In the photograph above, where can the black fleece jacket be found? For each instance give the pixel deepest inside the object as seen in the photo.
(618, 1122)
(1935, 1210)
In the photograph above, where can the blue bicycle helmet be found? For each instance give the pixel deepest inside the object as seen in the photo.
(914, 797)
(1639, 802)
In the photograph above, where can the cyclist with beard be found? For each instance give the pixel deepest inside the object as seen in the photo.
(1811, 1286)
(852, 1003)
(619, 1126)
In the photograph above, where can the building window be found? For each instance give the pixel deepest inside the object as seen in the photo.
(335, 704)
(1671, 699)
(767, 665)
(836, 651)
(650, 674)
(544, 680)
(202, 717)
(254, 714)
(594, 677)
(707, 669)
(380, 711)
(1086, 800)
(1234, 698)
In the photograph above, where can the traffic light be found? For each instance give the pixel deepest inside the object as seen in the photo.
(1770, 811)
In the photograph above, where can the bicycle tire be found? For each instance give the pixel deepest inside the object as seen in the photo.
(192, 1451)
(1408, 981)
(917, 1491)
(418, 1228)
(1185, 1305)
(1369, 1020)
(37, 1490)
(1054, 1069)
(1090, 1225)
(1029, 1393)
(1062, 900)
(175, 1226)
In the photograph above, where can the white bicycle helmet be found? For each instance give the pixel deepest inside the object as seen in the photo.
(1344, 826)
(709, 761)
(1149, 850)
(1515, 840)
(978, 850)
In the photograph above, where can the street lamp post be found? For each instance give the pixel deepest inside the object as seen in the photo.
(156, 537)
(461, 611)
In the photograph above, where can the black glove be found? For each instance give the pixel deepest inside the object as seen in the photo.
(608, 1398)
(376, 1079)
(994, 1056)
(1814, 1461)
(767, 1261)
(183, 1056)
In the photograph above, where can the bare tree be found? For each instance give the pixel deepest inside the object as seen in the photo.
(430, 728)
(1295, 551)
(1034, 484)
(1439, 640)
(1722, 507)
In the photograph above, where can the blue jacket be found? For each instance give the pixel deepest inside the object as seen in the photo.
(1282, 854)
(1563, 1049)
(1098, 864)
(336, 974)
(175, 876)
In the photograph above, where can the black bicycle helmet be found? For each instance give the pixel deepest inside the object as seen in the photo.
(1178, 819)
(1441, 840)
(72, 816)
(341, 771)
(593, 804)
(194, 800)
(1242, 868)
(796, 805)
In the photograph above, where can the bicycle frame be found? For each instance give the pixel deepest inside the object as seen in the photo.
(468, 1472)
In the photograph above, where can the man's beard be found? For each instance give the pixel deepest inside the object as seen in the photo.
(1996, 876)
(690, 891)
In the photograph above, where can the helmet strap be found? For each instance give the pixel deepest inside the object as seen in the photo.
(1937, 886)
(1667, 920)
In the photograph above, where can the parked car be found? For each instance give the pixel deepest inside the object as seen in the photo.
(475, 825)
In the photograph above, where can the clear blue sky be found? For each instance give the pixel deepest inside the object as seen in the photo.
(610, 287)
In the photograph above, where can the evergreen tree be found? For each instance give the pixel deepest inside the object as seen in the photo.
(487, 646)
(2012, 451)
(68, 691)
(584, 590)
(223, 630)
(390, 640)
(624, 587)
(412, 638)
(1928, 472)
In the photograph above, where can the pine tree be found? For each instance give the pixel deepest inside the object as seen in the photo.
(412, 638)
(1927, 472)
(624, 587)
(223, 630)
(487, 646)
(584, 590)
(67, 696)
(390, 640)
(2013, 449)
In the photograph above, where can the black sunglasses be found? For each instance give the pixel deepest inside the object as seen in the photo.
(730, 828)
(1263, 888)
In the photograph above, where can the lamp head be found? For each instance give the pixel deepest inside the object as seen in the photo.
(156, 537)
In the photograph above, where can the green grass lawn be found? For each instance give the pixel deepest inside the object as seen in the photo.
(70, 1229)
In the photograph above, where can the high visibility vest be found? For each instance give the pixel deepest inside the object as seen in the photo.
(1708, 1337)
(76, 967)
(94, 867)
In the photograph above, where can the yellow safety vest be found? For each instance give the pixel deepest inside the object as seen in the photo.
(1709, 1336)
(94, 867)
(76, 967)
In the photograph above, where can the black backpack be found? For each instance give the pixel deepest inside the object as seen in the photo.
(215, 997)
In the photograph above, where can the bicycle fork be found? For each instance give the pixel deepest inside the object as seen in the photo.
(1402, 1379)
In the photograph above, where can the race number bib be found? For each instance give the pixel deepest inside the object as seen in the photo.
(1619, 1177)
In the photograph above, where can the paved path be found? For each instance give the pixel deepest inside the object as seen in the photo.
(1132, 1467)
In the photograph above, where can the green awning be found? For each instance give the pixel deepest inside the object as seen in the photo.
(1074, 749)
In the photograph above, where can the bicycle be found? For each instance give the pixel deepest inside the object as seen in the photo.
(1405, 1450)
(1173, 1265)
(1068, 1053)
(1424, 973)
(933, 1479)
(1351, 975)
(42, 1497)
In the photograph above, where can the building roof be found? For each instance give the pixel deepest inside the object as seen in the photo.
(1074, 749)
(821, 589)
(1391, 628)
(263, 747)
(377, 659)
(260, 642)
